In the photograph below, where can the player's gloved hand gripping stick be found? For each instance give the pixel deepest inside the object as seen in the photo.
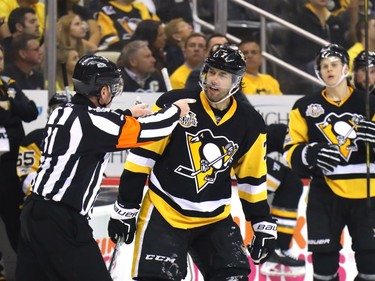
(264, 240)
(123, 222)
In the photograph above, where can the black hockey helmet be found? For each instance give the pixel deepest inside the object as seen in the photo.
(57, 99)
(360, 60)
(332, 50)
(93, 72)
(228, 58)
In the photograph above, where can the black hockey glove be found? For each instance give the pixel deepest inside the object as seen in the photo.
(366, 131)
(122, 222)
(264, 240)
(323, 155)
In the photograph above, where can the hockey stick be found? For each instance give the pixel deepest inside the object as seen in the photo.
(186, 171)
(367, 108)
(167, 81)
(120, 241)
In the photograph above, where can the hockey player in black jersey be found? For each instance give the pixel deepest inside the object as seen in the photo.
(186, 209)
(359, 71)
(328, 131)
(56, 240)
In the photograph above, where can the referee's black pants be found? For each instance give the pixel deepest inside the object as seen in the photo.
(56, 243)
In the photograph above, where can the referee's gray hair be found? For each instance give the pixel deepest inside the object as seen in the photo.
(129, 51)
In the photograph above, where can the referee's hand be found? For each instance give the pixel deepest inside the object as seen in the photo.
(140, 110)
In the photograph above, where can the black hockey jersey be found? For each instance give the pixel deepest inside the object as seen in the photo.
(29, 154)
(315, 118)
(119, 21)
(190, 171)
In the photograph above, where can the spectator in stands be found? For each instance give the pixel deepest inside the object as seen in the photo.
(254, 82)
(118, 20)
(22, 20)
(359, 46)
(194, 53)
(359, 71)
(71, 33)
(65, 57)
(168, 10)
(153, 32)
(26, 57)
(192, 82)
(65, 7)
(7, 6)
(138, 68)
(15, 107)
(315, 18)
(177, 31)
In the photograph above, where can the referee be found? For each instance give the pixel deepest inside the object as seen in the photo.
(56, 240)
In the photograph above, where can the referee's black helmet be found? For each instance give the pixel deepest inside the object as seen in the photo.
(92, 72)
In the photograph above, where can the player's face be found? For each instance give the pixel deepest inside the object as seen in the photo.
(360, 77)
(331, 70)
(219, 83)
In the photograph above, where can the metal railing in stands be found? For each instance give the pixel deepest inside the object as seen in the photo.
(221, 24)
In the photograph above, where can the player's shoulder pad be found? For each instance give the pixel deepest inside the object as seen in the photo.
(248, 112)
(174, 95)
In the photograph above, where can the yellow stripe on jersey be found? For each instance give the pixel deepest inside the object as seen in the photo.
(298, 132)
(351, 188)
(177, 219)
(139, 164)
(143, 218)
(211, 113)
(254, 160)
(287, 230)
(284, 213)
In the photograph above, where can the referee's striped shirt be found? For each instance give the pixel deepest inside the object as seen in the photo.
(77, 145)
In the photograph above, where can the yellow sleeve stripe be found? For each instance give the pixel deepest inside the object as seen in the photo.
(286, 230)
(284, 213)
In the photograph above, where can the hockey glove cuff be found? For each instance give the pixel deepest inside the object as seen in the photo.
(366, 131)
(264, 240)
(122, 222)
(323, 155)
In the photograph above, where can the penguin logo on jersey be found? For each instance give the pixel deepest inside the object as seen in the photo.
(209, 155)
(129, 25)
(341, 130)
